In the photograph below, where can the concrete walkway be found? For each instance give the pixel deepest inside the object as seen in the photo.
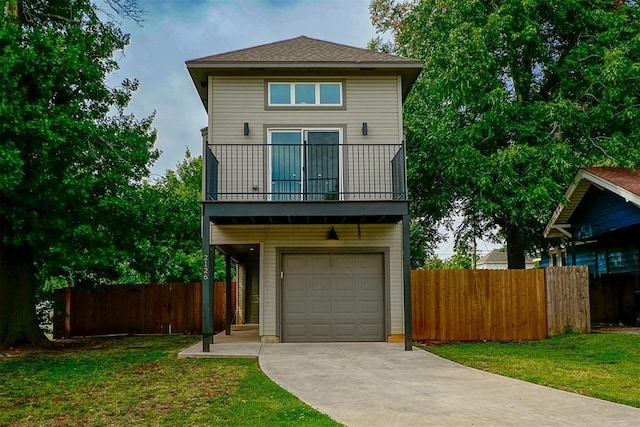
(379, 384)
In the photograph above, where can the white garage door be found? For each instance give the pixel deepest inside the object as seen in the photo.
(333, 297)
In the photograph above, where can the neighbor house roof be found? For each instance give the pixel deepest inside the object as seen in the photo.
(621, 181)
(498, 257)
(302, 56)
(493, 257)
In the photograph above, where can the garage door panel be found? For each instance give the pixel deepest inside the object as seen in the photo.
(346, 284)
(319, 285)
(370, 307)
(296, 307)
(369, 284)
(295, 262)
(346, 307)
(321, 331)
(336, 297)
(318, 263)
(320, 308)
(370, 264)
(296, 331)
(345, 330)
(293, 286)
(342, 263)
(370, 330)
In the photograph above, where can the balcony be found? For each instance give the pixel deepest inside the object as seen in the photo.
(318, 172)
(305, 183)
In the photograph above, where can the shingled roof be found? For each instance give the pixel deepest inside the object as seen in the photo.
(305, 49)
(626, 179)
(620, 181)
(302, 56)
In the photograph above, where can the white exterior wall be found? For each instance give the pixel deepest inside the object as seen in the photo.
(236, 100)
(271, 238)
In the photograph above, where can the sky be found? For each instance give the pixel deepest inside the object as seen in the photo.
(175, 31)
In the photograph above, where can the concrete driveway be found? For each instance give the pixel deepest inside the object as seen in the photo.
(380, 384)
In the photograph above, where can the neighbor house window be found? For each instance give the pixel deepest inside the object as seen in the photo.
(305, 94)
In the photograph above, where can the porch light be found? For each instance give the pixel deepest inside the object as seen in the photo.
(332, 234)
(246, 128)
(364, 128)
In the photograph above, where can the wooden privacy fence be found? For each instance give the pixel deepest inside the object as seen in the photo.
(500, 305)
(136, 309)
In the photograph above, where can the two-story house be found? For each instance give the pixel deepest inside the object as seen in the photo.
(305, 189)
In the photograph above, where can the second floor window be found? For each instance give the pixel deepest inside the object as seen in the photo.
(305, 94)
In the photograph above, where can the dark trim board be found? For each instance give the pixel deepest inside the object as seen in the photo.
(305, 212)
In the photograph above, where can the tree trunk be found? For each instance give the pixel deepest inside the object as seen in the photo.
(515, 248)
(18, 320)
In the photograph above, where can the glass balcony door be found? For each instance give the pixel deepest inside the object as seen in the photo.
(305, 164)
(322, 165)
(286, 164)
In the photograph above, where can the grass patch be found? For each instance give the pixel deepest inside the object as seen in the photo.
(604, 366)
(140, 381)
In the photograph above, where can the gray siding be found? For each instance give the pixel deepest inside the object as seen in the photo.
(233, 101)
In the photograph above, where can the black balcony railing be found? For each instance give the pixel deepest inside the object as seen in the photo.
(299, 172)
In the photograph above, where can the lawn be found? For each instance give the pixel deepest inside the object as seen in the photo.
(606, 366)
(140, 381)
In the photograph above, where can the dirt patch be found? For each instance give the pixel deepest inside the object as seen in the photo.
(615, 329)
(58, 346)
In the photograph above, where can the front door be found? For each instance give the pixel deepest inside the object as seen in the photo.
(305, 164)
(252, 293)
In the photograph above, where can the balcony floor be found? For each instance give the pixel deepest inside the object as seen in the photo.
(305, 212)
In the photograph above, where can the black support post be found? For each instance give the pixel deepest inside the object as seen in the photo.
(406, 274)
(207, 287)
(229, 313)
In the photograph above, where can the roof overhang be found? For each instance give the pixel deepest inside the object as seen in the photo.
(558, 225)
(200, 71)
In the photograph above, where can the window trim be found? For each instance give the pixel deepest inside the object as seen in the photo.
(293, 106)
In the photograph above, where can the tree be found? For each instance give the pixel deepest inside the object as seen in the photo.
(423, 240)
(463, 259)
(168, 243)
(71, 160)
(513, 99)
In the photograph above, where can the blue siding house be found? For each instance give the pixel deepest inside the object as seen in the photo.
(599, 226)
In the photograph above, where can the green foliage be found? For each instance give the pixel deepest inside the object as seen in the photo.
(140, 381)
(461, 260)
(513, 98)
(598, 365)
(169, 247)
(168, 243)
(423, 240)
(71, 160)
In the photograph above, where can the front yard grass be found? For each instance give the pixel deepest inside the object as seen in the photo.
(605, 366)
(140, 381)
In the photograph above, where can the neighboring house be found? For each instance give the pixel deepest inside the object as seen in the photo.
(305, 188)
(599, 226)
(497, 260)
